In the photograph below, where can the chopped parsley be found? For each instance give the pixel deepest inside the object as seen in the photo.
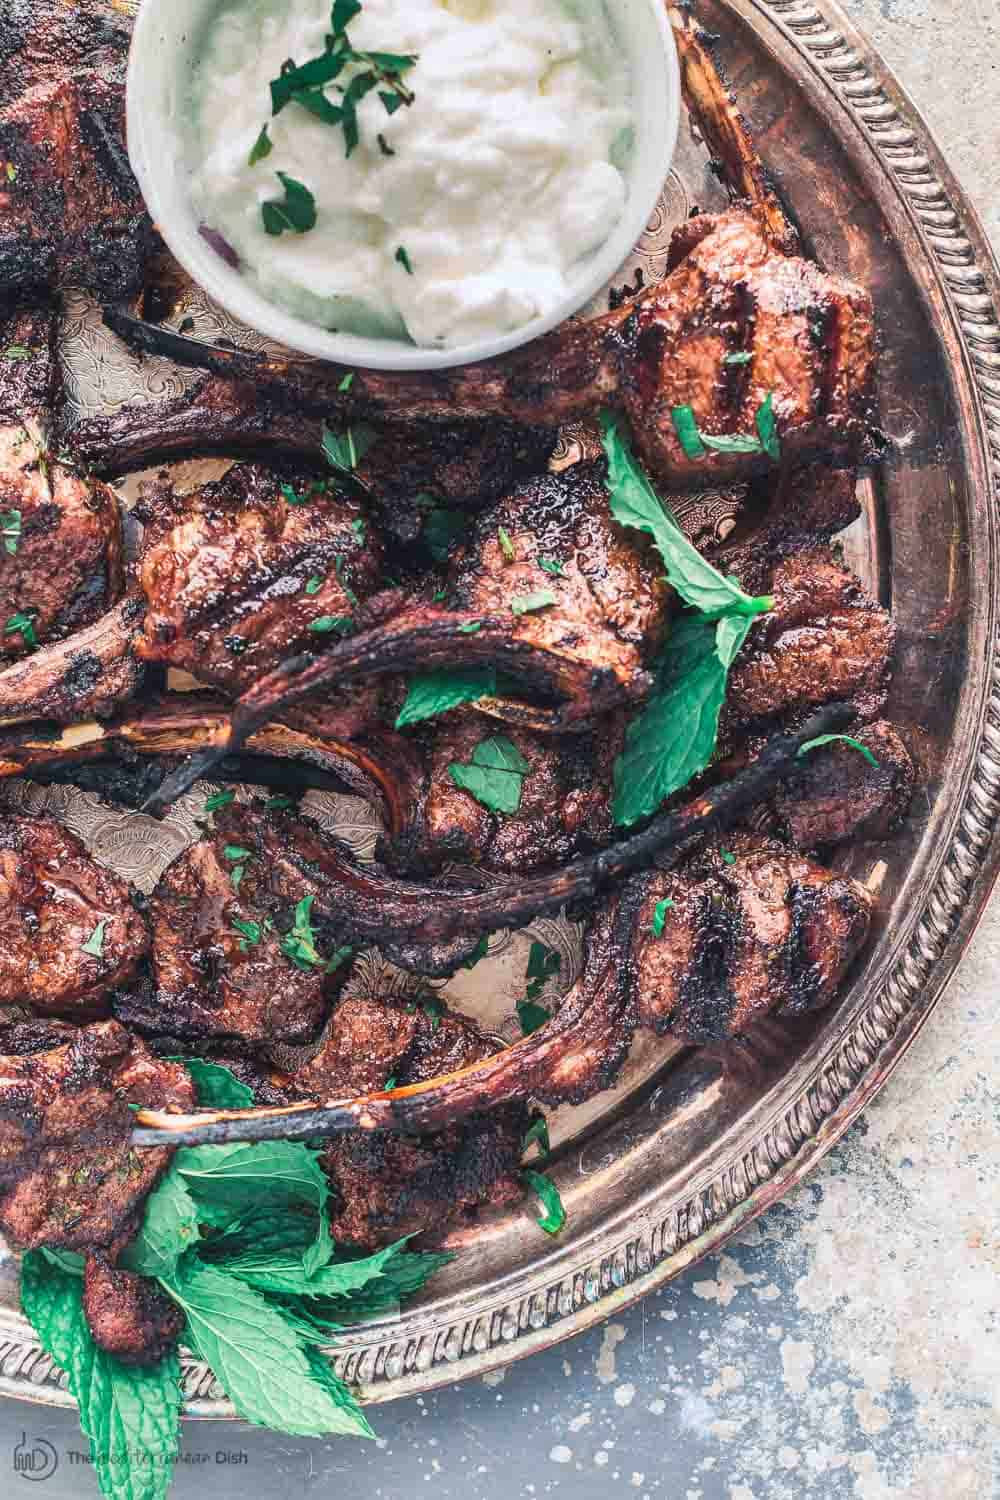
(402, 258)
(300, 944)
(696, 443)
(233, 852)
(739, 357)
(550, 565)
(326, 624)
(537, 1133)
(506, 545)
(249, 933)
(347, 382)
(727, 856)
(314, 585)
(471, 627)
(543, 964)
(845, 739)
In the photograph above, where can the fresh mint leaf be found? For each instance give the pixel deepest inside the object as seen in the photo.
(506, 545)
(674, 736)
(767, 428)
(537, 1133)
(285, 1274)
(545, 1190)
(531, 1016)
(332, 625)
(129, 1413)
(635, 503)
(22, 624)
(234, 852)
(403, 259)
(169, 1228)
(257, 1358)
(219, 800)
(65, 1260)
(296, 83)
(346, 382)
(295, 212)
(740, 357)
(314, 585)
(10, 531)
(216, 1086)
(660, 915)
(262, 1231)
(495, 774)
(525, 604)
(300, 944)
(261, 148)
(686, 428)
(229, 1182)
(94, 946)
(551, 565)
(728, 857)
(437, 692)
(441, 530)
(249, 932)
(344, 451)
(343, 14)
(845, 739)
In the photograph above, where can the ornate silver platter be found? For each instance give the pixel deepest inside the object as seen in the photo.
(682, 1154)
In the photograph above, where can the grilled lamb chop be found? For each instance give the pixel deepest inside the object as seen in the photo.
(221, 916)
(68, 930)
(747, 930)
(810, 336)
(69, 1177)
(563, 807)
(128, 1315)
(582, 653)
(71, 214)
(223, 592)
(61, 545)
(836, 794)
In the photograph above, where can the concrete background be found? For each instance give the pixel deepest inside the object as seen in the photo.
(846, 1348)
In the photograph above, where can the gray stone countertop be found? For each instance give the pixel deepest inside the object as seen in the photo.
(846, 1347)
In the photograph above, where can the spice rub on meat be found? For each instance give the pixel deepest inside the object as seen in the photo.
(229, 963)
(60, 534)
(128, 1315)
(742, 931)
(69, 1177)
(69, 932)
(563, 808)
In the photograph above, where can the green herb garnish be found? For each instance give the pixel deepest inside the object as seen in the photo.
(233, 852)
(472, 627)
(537, 1133)
(218, 800)
(495, 774)
(262, 146)
(437, 692)
(296, 211)
(250, 932)
(314, 585)
(344, 451)
(403, 259)
(10, 530)
(216, 1086)
(727, 856)
(545, 1190)
(543, 964)
(95, 943)
(341, 624)
(686, 429)
(441, 529)
(506, 545)
(300, 944)
(16, 352)
(279, 804)
(695, 442)
(550, 565)
(660, 915)
(23, 624)
(845, 739)
(478, 952)
(526, 604)
(740, 357)
(347, 381)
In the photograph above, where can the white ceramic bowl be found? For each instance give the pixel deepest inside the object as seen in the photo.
(164, 48)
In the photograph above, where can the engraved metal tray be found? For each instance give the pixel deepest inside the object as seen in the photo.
(682, 1153)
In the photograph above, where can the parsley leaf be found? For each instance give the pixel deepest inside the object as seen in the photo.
(262, 147)
(437, 692)
(471, 627)
(728, 857)
(296, 211)
(250, 932)
(95, 943)
(767, 428)
(314, 585)
(402, 258)
(545, 1190)
(673, 738)
(495, 774)
(129, 1413)
(687, 432)
(233, 852)
(635, 503)
(846, 739)
(526, 603)
(506, 545)
(300, 944)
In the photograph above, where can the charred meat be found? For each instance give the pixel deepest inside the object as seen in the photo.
(69, 1177)
(128, 1315)
(68, 930)
(71, 214)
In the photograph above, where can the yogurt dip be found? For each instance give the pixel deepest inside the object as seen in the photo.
(464, 209)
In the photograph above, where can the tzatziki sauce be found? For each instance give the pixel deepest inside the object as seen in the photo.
(482, 174)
